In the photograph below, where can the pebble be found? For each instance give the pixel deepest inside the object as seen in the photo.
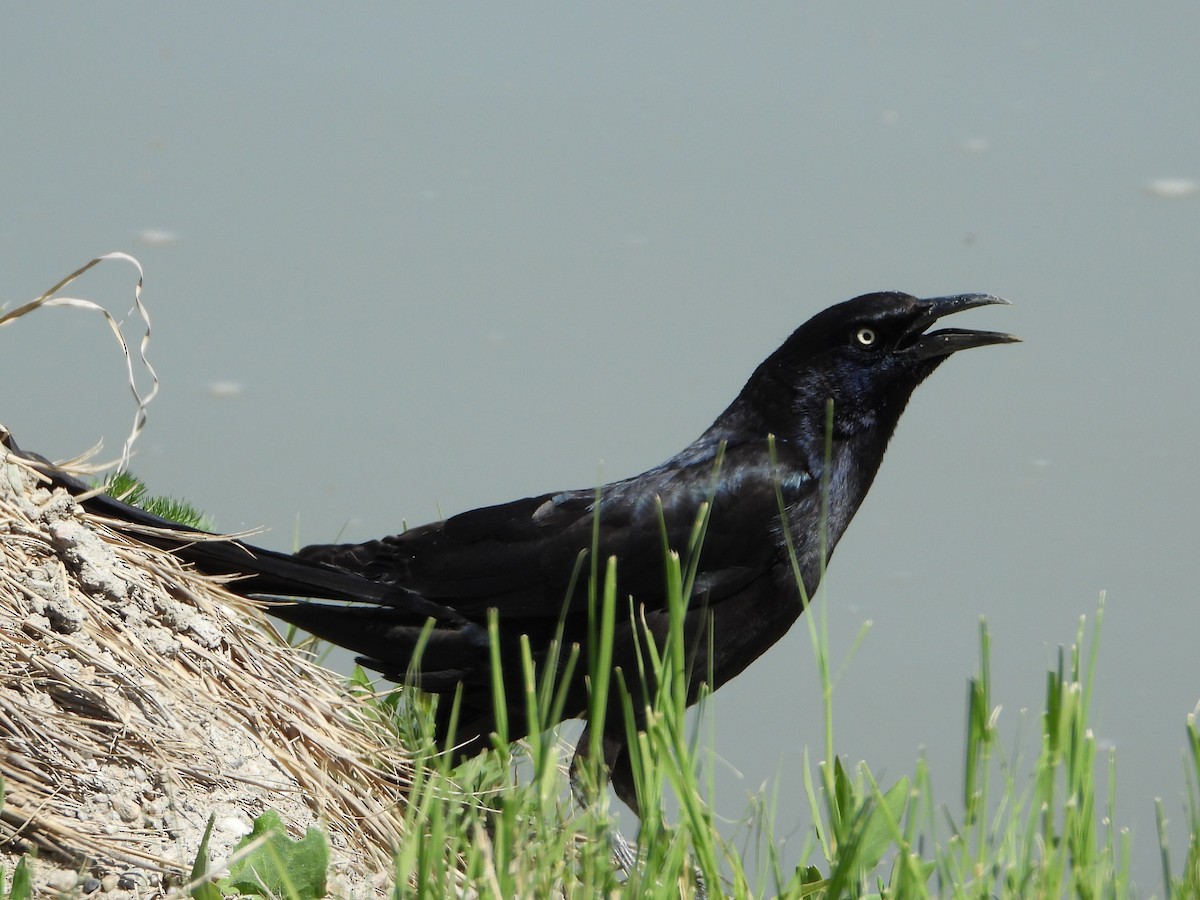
(127, 811)
(128, 881)
(62, 880)
(233, 825)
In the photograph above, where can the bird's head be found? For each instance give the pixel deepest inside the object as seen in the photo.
(867, 355)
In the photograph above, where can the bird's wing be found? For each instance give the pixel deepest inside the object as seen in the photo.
(523, 557)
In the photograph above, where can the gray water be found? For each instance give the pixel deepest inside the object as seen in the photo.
(404, 261)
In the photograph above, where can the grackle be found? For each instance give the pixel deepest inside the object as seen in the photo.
(783, 470)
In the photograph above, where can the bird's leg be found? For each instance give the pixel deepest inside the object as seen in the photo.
(620, 775)
(624, 851)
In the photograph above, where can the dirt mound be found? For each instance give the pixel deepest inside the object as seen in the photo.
(137, 698)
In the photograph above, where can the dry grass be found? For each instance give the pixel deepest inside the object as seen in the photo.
(138, 697)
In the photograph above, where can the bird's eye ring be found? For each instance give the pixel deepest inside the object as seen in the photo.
(865, 337)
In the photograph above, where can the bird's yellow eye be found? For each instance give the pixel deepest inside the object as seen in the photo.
(865, 337)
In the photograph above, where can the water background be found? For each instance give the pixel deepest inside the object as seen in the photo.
(407, 260)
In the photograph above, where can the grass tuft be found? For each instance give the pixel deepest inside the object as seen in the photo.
(128, 488)
(510, 828)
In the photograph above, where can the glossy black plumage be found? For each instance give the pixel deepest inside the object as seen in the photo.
(846, 374)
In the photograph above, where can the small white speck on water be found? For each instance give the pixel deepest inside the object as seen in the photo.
(225, 389)
(157, 237)
(1172, 188)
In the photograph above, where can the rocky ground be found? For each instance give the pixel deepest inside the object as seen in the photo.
(137, 699)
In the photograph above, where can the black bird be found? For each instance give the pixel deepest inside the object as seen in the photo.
(806, 435)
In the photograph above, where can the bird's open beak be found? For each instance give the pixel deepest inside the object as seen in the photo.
(944, 341)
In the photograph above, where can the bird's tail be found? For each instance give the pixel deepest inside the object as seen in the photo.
(396, 631)
(255, 571)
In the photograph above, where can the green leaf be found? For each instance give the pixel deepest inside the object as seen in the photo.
(845, 800)
(22, 882)
(280, 867)
(882, 826)
(204, 888)
(806, 881)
